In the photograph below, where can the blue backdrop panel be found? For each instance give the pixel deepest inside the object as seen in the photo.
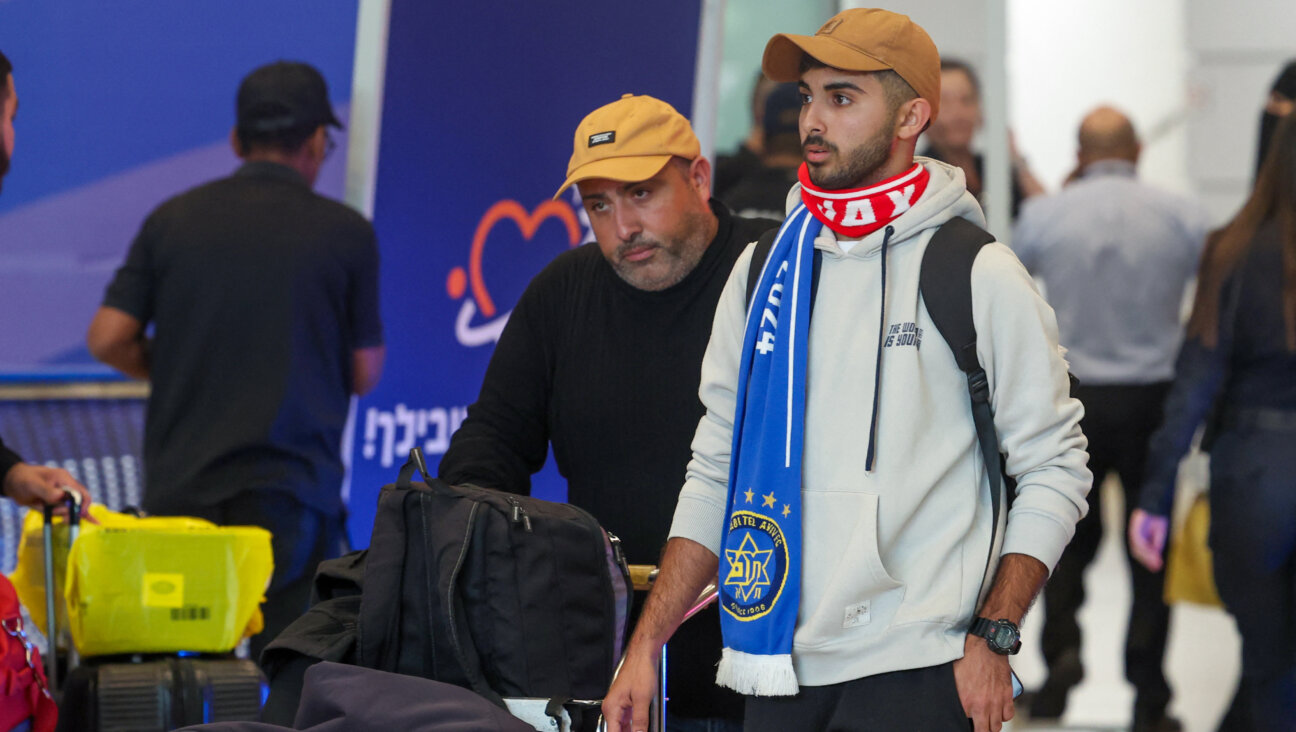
(122, 105)
(481, 102)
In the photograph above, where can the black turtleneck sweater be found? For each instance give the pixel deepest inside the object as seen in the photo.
(608, 374)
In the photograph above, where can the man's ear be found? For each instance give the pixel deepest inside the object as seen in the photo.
(912, 118)
(700, 176)
(319, 143)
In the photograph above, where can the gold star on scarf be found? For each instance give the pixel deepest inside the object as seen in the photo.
(769, 499)
(787, 509)
(749, 494)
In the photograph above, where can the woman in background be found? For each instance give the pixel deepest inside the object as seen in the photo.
(1279, 104)
(1238, 364)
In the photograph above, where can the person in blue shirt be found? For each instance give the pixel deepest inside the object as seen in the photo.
(1115, 256)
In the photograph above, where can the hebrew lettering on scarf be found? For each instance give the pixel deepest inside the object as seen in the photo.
(858, 212)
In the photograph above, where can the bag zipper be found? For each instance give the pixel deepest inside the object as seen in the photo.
(519, 514)
(450, 593)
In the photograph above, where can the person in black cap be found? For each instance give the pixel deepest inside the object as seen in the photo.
(762, 192)
(263, 299)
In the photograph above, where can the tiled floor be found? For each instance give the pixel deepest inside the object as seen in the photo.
(1202, 657)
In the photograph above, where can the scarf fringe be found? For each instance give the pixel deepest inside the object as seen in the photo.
(757, 675)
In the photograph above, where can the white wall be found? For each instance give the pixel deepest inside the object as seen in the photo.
(748, 25)
(1235, 51)
(1065, 59)
(1193, 74)
(958, 28)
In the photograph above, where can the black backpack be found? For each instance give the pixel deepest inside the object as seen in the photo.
(506, 595)
(945, 283)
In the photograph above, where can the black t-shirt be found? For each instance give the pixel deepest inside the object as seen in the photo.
(609, 375)
(258, 290)
(762, 192)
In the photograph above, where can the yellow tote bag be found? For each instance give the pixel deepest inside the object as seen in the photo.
(1190, 574)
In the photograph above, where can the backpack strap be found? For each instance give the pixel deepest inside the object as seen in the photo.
(945, 282)
(761, 252)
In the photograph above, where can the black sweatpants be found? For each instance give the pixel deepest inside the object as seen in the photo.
(924, 699)
(1119, 421)
(302, 538)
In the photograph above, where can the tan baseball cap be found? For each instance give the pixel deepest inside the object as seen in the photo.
(862, 39)
(628, 140)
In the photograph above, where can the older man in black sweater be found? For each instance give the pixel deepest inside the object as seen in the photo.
(601, 357)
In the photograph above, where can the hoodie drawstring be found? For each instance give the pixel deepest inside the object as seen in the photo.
(877, 368)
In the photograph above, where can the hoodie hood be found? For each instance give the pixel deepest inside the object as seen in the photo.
(946, 197)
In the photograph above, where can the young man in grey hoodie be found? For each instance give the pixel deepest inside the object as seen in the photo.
(889, 627)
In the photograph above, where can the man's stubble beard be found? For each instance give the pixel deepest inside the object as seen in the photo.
(684, 254)
(857, 165)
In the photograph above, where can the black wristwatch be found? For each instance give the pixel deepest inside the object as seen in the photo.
(1002, 636)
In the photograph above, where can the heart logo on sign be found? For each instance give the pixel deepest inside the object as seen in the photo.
(459, 281)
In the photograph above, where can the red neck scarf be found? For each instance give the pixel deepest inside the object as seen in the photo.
(857, 212)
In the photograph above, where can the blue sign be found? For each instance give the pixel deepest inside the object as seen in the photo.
(480, 106)
(123, 105)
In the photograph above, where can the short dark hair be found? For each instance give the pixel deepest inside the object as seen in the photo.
(287, 141)
(897, 90)
(6, 69)
(954, 64)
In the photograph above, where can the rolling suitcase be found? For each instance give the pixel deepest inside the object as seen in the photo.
(138, 693)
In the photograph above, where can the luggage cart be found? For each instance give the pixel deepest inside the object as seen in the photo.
(643, 576)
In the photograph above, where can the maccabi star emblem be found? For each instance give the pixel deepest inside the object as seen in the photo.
(748, 569)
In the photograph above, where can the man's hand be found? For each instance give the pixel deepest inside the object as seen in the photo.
(686, 567)
(1147, 538)
(984, 685)
(626, 705)
(35, 486)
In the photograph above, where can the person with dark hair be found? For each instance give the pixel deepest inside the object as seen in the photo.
(1116, 256)
(600, 358)
(1281, 103)
(949, 139)
(762, 192)
(263, 297)
(731, 168)
(1238, 366)
(837, 487)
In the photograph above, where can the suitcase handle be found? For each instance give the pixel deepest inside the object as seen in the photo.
(73, 501)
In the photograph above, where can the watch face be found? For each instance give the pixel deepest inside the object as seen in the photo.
(1004, 636)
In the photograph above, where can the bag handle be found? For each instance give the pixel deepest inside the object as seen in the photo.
(73, 501)
(417, 462)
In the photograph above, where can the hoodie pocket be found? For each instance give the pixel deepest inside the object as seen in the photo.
(846, 591)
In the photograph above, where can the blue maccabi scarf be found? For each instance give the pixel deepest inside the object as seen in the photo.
(760, 567)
